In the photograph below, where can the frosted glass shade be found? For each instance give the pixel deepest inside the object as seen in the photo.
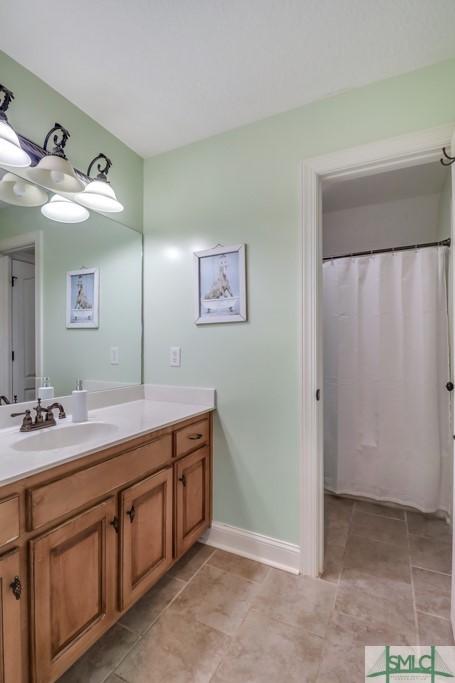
(56, 174)
(99, 196)
(11, 152)
(19, 192)
(64, 210)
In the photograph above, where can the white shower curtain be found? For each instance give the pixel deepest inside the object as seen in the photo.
(386, 362)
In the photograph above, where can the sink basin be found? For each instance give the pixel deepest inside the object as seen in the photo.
(52, 438)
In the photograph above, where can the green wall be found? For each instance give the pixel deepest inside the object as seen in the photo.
(243, 186)
(35, 110)
(117, 252)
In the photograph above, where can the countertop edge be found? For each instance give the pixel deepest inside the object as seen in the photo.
(98, 448)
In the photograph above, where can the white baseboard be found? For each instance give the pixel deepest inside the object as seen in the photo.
(271, 551)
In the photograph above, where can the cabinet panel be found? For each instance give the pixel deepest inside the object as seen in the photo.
(10, 619)
(73, 570)
(9, 520)
(146, 534)
(192, 498)
(57, 498)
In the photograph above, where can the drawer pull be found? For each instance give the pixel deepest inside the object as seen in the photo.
(183, 479)
(16, 587)
(131, 513)
(195, 437)
(115, 524)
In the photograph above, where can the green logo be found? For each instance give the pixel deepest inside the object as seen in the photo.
(426, 663)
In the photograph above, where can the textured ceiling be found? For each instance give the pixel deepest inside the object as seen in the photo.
(163, 73)
(385, 187)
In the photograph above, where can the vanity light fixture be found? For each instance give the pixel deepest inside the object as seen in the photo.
(11, 152)
(19, 192)
(98, 194)
(54, 171)
(63, 210)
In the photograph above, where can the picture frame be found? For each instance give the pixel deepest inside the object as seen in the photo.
(82, 298)
(220, 285)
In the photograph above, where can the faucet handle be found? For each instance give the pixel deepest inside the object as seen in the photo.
(26, 412)
(27, 419)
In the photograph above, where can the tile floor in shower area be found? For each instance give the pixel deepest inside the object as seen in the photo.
(220, 618)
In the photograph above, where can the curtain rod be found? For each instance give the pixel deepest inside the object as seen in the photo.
(442, 243)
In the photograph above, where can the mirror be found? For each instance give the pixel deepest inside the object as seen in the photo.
(70, 304)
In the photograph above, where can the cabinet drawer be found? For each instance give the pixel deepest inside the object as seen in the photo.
(56, 498)
(191, 437)
(9, 519)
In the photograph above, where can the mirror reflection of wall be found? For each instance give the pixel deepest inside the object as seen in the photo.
(35, 255)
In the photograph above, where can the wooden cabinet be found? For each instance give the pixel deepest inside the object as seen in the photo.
(192, 498)
(73, 569)
(89, 537)
(146, 534)
(10, 618)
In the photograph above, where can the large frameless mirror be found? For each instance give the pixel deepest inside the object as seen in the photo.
(70, 296)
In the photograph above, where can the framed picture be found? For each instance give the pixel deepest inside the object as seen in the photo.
(82, 298)
(220, 285)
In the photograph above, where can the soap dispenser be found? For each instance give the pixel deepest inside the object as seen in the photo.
(79, 410)
(45, 391)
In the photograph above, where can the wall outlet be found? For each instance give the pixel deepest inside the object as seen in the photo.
(175, 356)
(114, 355)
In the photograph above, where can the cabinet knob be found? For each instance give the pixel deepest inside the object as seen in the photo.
(131, 513)
(115, 524)
(183, 479)
(195, 437)
(16, 587)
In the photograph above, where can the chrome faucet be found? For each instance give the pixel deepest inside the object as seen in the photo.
(44, 417)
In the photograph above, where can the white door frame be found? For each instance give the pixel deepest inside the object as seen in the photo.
(34, 239)
(386, 155)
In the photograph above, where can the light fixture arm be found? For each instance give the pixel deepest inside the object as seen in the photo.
(59, 139)
(8, 95)
(102, 170)
(447, 160)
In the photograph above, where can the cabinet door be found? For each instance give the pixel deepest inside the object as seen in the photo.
(192, 498)
(146, 534)
(73, 570)
(10, 619)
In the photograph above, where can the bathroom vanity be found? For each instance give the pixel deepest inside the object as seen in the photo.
(85, 537)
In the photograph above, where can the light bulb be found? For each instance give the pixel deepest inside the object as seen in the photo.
(19, 188)
(57, 176)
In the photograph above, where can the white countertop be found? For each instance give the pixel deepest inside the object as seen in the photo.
(130, 419)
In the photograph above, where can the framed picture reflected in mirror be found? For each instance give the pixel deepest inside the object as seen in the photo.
(82, 298)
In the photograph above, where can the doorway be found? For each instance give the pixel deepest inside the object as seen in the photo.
(386, 398)
(20, 313)
(23, 370)
(403, 152)
(318, 174)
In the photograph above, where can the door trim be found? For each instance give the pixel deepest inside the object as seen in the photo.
(386, 155)
(34, 239)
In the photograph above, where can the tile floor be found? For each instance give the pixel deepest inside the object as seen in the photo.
(221, 618)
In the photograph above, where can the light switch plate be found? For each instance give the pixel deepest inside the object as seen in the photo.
(114, 354)
(175, 356)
